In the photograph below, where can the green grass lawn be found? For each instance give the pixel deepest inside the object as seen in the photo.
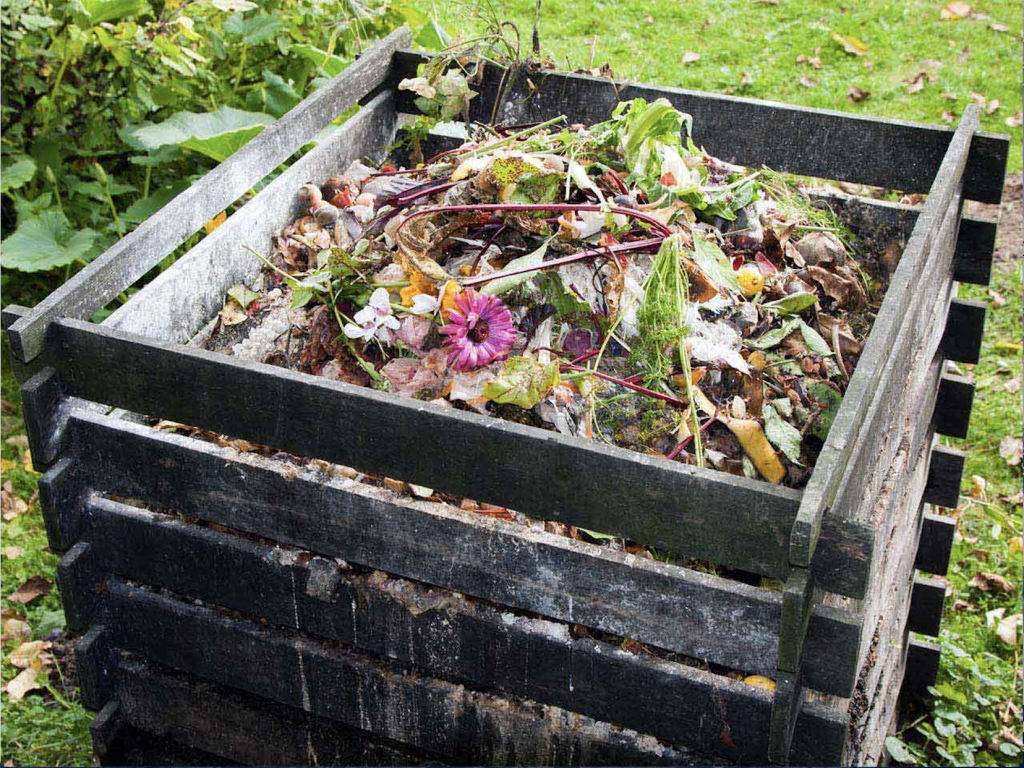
(750, 49)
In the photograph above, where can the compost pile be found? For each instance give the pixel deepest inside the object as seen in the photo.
(612, 282)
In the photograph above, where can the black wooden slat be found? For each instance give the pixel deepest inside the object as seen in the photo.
(92, 665)
(926, 601)
(689, 511)
(222, 723)
(60, 491)
(374, 695)
(105, 727)
(953, 405)
(134, 255)
(813, 142)
(945, 472)
(42, 398)
(922, 668)
(964, 329)
(692, 613)
(403, 621)
(907, 300)
(936, 543)
(975, 248)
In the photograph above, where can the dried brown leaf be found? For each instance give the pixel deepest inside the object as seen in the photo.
(856, 94)
(991, 582)
(35, 587)
(689, 57)
(956, 10)
(1012, 450)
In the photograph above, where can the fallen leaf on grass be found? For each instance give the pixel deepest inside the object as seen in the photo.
(31, 655)
(1016, 544)
(978, 487)
(18, 441)
(992, 107)
(1016, 500)
(7, 407)
(812, 61)
(806, 82)
(949, 96)
(25, 681)
(11, 505)
(35, 587)
(856, 94)
(1012, 450)
(850, 44)
(12, 553)
(949, 117)
(1013, 385)
(1015, 121)
(954, 11)
(747, 79)
(978, 98)
(16, 630)
(991, 582)
(689, 57)
(997, 27)
(916, 83)
(1005, 627)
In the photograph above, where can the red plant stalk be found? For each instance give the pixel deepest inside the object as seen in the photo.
(628, 385)
(703, 428)
(636, 245)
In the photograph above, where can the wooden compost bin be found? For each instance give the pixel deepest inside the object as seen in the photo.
(224, 620)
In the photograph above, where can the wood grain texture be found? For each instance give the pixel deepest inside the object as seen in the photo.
(176, 304)
(906, 301)
(439, 632)
(926, 602)
(380, 697)
(690, 511)
(922, 668)
(693, 613)
(222, 722)
(945, 473)
(952, 414)
(813, 142)
(936, 543)
(134, 255)
(964, 331)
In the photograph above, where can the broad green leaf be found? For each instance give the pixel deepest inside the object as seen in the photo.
(328, 62)
(243, 295)
(217, 134)
(596, 534)
(255, 29)
(829, 400)
(274, 95)
(793, 304)
(898, 751)
(523, 381)
(233, 6)
(143, 208)
(774, 337)
(45, 242)
(813, 340)
(99, 11)
(782, 434)
(505, 284)
(714, 263)
(433, 37)
(17, 174)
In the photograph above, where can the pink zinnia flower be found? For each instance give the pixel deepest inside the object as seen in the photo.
(479, 330)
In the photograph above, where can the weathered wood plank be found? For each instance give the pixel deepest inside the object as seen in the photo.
(696, 614)
(926, 602)
(60, 490)
(813, 142)
(437, 631)
(945, 472)
(922, 668)
(376, 696)
(181, 300)
(42, 401)
(134, 255)
(690, 511)
(903, 304)
(105, 727)
(135, 747)
(936, 544)
(952, 414)
(92, 664)
(222, 722)
(964, 331)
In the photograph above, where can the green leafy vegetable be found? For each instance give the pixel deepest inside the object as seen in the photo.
(793, 304)
(45, 242)
(522, 381)
(782, 434)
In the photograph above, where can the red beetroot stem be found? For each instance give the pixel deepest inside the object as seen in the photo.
(627, 385)
(703, 428)
(606, 250)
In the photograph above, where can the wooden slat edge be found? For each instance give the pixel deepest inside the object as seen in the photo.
(937, 533)
(945, 473)
(131, 257)
(952, 414)
(965, 328)
(926, 603)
